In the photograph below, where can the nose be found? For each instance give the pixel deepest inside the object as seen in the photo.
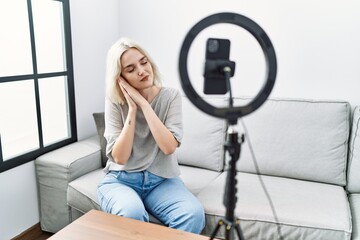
(141, 71)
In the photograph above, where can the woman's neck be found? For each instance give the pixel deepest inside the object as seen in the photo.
(150, 93)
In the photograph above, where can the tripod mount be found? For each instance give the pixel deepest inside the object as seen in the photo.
(231, 224)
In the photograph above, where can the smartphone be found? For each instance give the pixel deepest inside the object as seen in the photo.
(217, 54)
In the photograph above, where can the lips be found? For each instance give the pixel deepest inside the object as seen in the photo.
(145, 78)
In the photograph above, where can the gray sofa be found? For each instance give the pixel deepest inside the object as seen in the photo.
(303, 184)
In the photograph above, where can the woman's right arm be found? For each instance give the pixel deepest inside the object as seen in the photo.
(123, 145)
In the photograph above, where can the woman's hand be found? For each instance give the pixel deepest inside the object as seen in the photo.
(131, 94)
(132, 105)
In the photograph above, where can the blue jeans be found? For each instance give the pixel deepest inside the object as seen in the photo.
(136, 194)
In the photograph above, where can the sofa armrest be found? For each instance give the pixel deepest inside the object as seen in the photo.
(55, 170)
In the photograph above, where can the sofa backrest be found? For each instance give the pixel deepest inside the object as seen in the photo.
(202, 143)
(300, 139)
(354, 154)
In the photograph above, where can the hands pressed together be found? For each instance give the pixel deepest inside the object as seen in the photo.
(133, 97)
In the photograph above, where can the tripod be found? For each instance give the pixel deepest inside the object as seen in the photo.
(219, 50)
(230, 223)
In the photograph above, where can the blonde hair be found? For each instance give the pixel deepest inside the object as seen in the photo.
(113, 68)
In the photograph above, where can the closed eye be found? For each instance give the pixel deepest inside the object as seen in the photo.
(143, 61)
(129, 69)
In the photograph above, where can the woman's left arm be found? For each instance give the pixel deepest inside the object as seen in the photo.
(162, 135)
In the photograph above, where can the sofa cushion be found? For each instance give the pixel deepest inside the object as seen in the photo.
(305, 210)
(195, 179)
(354, 154)
(202, 144)
(100, 127)
(300, 139)
(81, 194)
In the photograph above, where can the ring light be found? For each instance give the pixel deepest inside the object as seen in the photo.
(230, 113)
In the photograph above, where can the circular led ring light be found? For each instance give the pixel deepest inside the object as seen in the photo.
(230, 113)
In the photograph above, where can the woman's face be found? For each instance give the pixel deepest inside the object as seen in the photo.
(136, 69)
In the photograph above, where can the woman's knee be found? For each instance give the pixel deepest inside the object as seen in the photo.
(134, 211)
(126, 204)
(197, 218)
(191, 219)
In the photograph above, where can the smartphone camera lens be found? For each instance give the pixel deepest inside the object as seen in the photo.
(213, 45)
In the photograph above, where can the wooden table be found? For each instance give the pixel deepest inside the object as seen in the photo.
(99, 225)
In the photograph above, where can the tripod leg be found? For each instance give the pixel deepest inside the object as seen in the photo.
(239, 233)
(228, 235)
(213, 234)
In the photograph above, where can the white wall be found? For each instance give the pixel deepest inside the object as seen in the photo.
(316, 44)
(95, 26)
(18, 201)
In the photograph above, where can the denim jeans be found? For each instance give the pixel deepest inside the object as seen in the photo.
(136, 194)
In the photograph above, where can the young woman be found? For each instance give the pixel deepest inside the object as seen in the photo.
(143, 128)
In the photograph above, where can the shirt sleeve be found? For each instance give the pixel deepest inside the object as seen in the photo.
(174, 117)
(114, 124)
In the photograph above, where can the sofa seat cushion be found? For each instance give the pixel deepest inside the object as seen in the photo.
(305, 210)
(82, 195)
(196, 179)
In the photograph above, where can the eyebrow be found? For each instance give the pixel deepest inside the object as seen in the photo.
(132, 65)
